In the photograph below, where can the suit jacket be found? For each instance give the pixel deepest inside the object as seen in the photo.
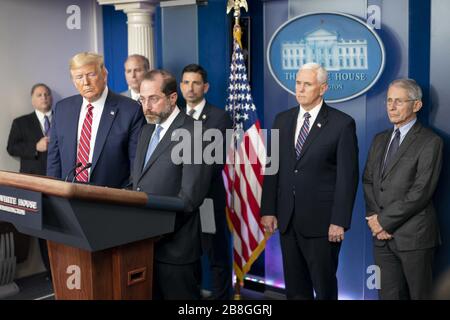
(25, 133)
(115, 145)
(216, 118)
(320, 187)
(402, 196)
(186, 180)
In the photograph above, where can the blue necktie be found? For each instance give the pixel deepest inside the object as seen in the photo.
(302, 135)
(153, 143)
(46, 126)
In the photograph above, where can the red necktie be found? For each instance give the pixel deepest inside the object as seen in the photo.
(84, 145)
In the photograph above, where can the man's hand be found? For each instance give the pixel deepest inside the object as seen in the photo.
(42, 144)
(270, 223)
(335, 233)
(374, 225)
(383, 235)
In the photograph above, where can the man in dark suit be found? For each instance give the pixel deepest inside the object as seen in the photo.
(136, 66)
(160, 170)
(400, 177)
(310, 199)
(194, 85)
(97, 127)
(28, 140)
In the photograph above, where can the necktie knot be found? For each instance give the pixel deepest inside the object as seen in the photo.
(307, 116)
(191, 112)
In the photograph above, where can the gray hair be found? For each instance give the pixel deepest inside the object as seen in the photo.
(322, 73)
(411, 86)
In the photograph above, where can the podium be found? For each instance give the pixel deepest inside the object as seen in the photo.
(100, 239)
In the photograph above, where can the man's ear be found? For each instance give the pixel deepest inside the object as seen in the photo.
(206, 88)
(417, 105)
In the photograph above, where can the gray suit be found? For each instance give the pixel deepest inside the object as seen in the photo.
(177, 255)
(402, 198)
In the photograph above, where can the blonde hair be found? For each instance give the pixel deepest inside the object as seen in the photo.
(84, 58)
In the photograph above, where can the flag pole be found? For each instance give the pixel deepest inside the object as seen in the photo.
(237, 34)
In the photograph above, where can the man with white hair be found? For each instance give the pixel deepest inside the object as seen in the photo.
(400, 177)
(310, 199)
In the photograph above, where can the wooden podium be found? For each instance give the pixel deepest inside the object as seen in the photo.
(100, 239)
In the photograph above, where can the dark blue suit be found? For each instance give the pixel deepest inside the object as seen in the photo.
(309, 194)
(115, 145)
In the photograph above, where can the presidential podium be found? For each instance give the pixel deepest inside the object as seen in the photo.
(100, 239)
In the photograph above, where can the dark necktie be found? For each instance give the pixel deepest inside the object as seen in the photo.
(302, 135)
(46, 126)
(191, 113)
(393, 147)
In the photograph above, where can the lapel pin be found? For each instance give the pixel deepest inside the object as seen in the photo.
(319, 125)
(204, 117)
(111, 113)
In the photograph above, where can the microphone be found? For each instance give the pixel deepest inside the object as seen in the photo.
(87, 166)
(79, 164)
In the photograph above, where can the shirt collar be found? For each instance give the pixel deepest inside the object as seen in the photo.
(168, 122)
(313, 112)
(41, 115)
(99, 103)
(198, 109)
(405, 128)
(134, 95)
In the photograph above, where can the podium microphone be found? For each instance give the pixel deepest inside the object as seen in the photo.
(72, 171)
(87, 166)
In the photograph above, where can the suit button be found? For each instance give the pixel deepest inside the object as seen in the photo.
(296, 171)
(381, 189)
(381, 208)
(138, 189)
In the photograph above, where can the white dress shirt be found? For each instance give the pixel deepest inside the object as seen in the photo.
(41, 118)
(134, 95)
(198, 109)
(314, 112)
(96, 115)
(166, 124)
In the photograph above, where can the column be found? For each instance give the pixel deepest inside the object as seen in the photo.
(140, 19)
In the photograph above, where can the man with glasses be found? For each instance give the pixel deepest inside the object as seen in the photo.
(96, 131)
(399, 180)
(164, 166)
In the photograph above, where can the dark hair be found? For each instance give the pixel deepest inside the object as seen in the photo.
(196, 69)
(169, 84)
(37, 85)
(144, 60)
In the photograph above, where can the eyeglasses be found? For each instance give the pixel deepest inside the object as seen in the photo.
(398, 102)
(152, 99)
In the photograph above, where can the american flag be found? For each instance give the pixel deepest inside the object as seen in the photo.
(244, 170)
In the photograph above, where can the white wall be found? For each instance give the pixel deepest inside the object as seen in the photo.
(35, 46)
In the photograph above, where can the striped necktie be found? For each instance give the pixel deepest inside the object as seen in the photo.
(302, 135)
(84, 145)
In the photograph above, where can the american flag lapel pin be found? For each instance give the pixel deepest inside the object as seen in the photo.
(319, 125)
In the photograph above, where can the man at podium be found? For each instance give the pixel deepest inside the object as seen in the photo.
(156, 171)
(94, 134)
